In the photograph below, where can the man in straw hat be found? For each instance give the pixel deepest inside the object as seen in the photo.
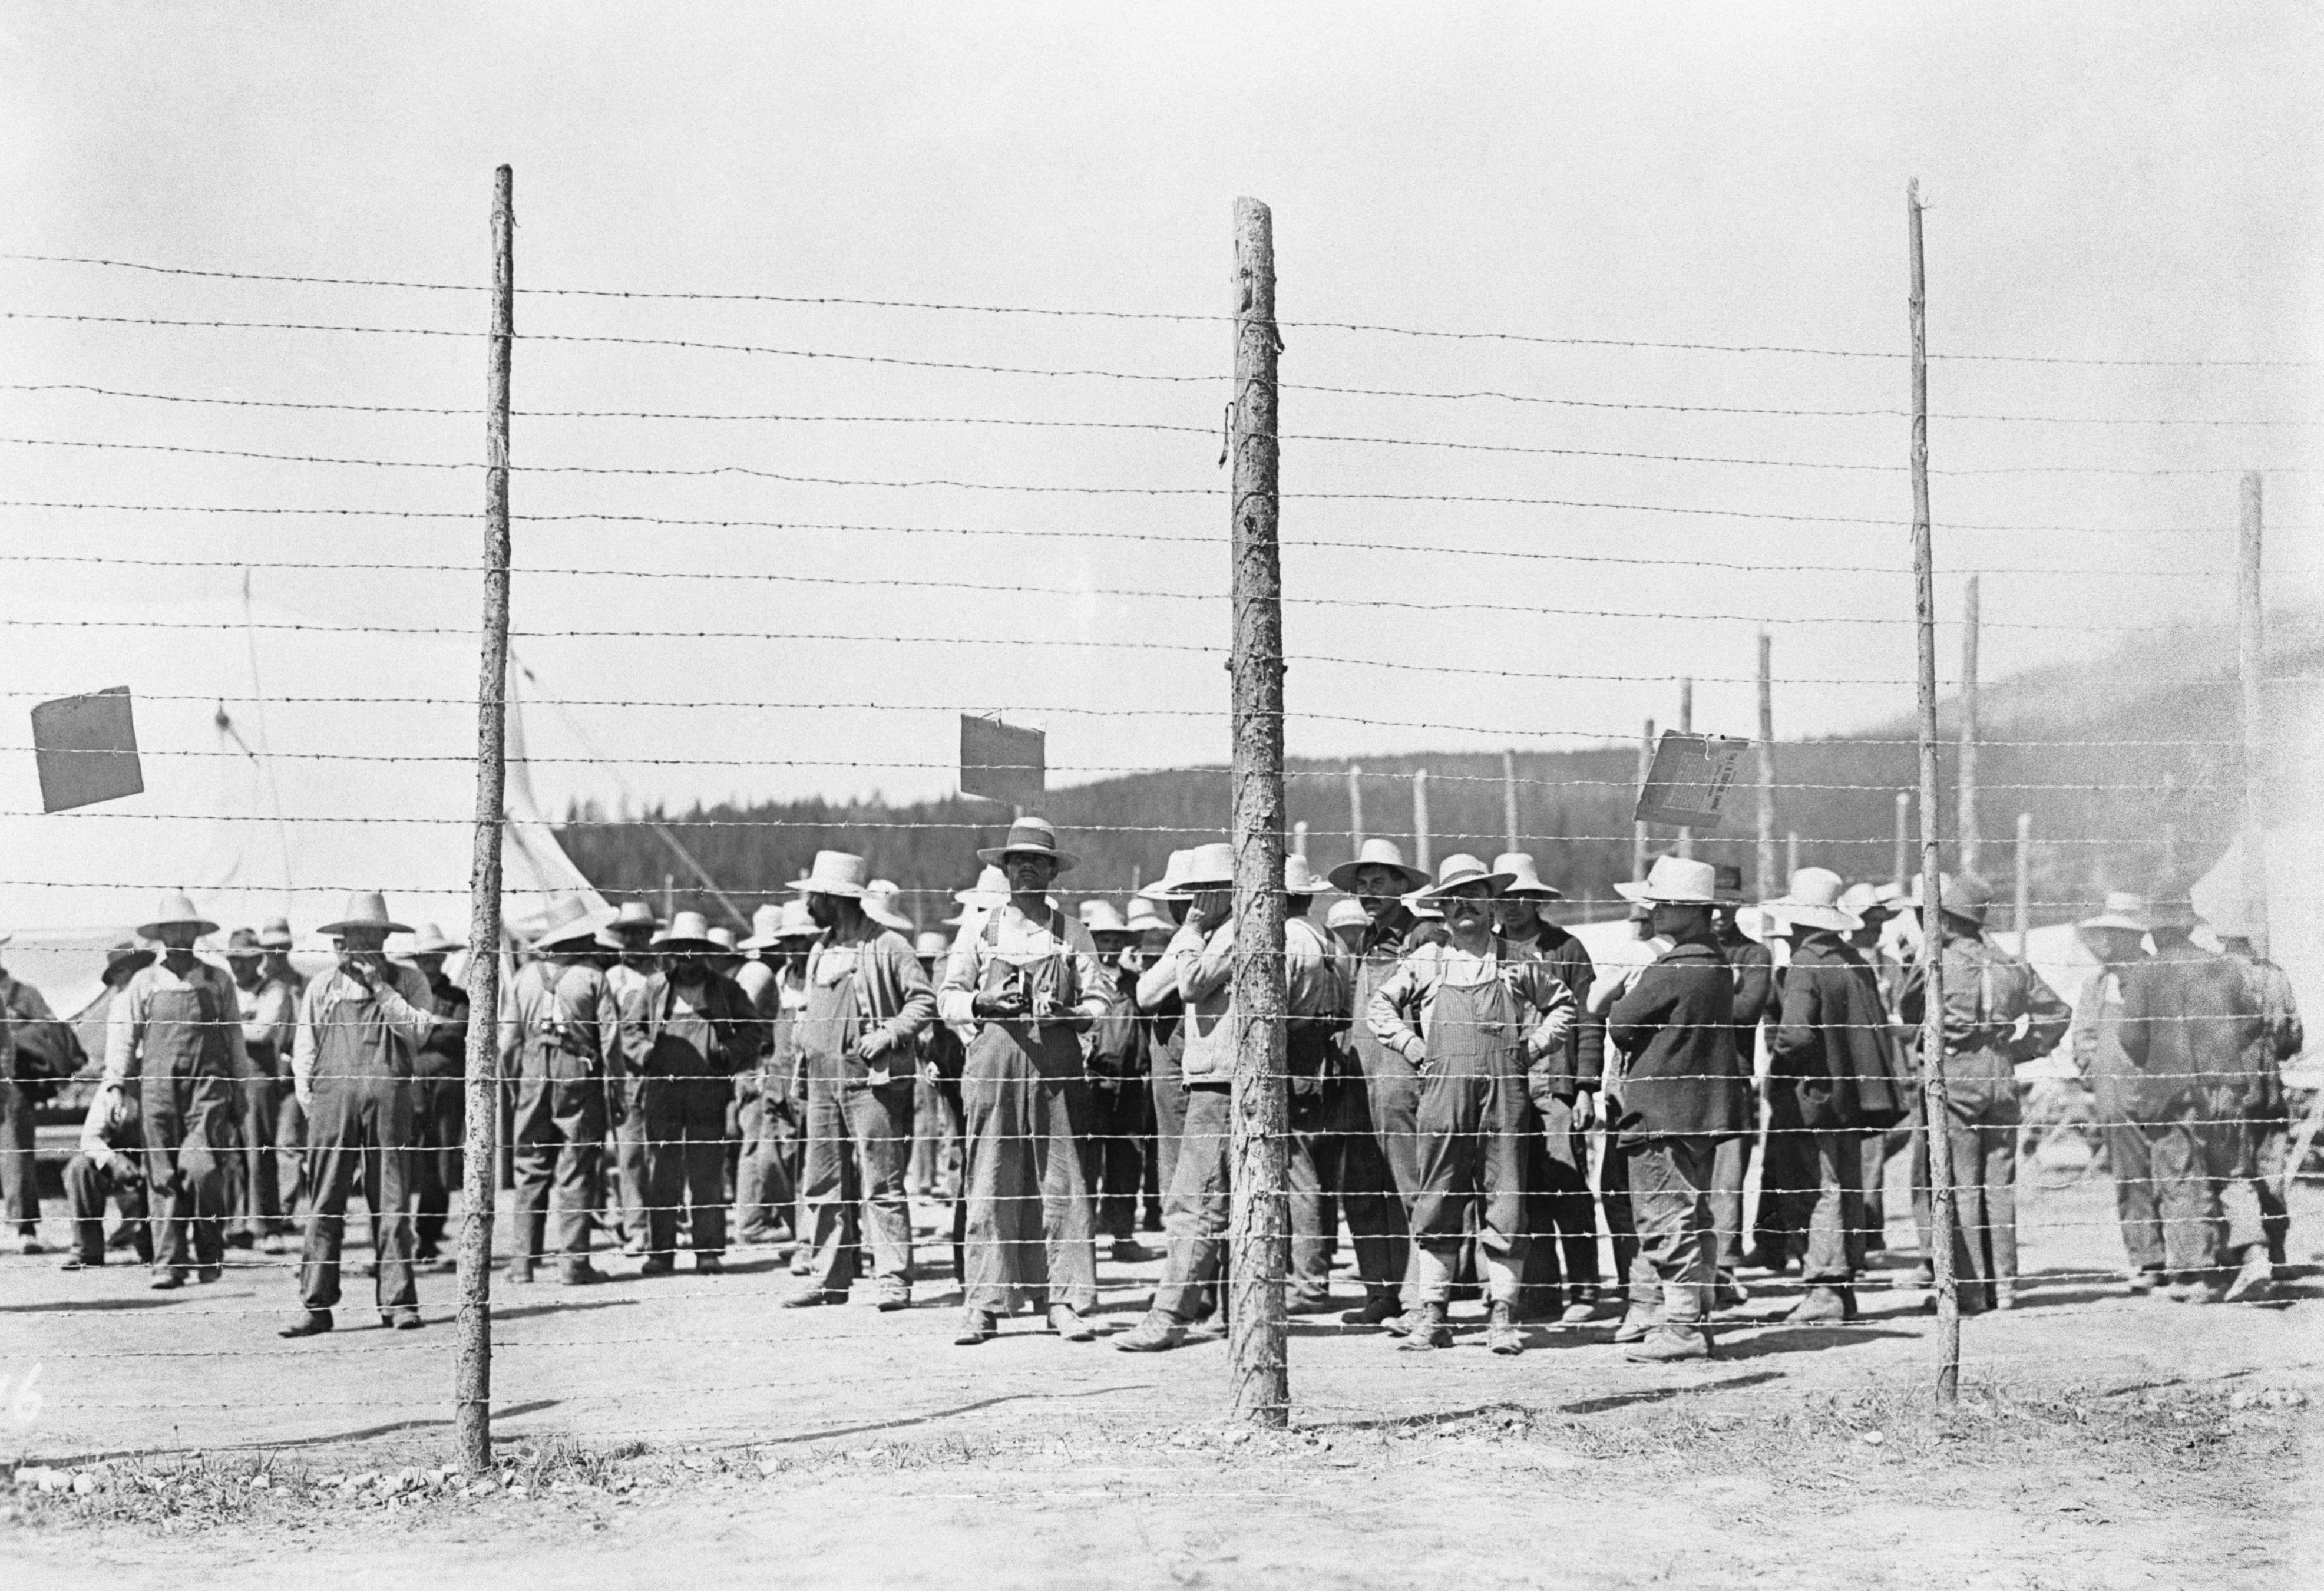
(2188, 1023)
(1481, 1029)
(562, 1038)
(1999, 1014)
(1869, 904)
(1832, 1075)
(111, 1161)
(868, 998)
(2117, 940)
(693, 1034)
(628, 962)
(1753, 968)
(173, 1030)
(266, 992)
(1561, 1268)
(1378, 878)
(439, 1072)
(1028, 977)
(2280, 1038)
(351, 1061)
(1161, 1010)
(1121, 1103)
(773, 981)
(1684, 1091)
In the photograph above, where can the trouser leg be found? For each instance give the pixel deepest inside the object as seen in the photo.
(1732, 1164)
(1194, 1214)
(334, 1162)
(1836, 1165)
(1119, 1113)
(2131, 1163)
(2230, 1151)
(1670, 1198)
(831, 1186)
(1068, 1211)
(1394, 1090)
(1872, 1191)
(532, 1146)
(1972, 1245)
(291, 1153)
(1998, 1143)
(87, 1184)
(1788, 1180)
(1168, 1092)
(1311, 1255)
(704, 1123)
(258, 1205)
(389, 1126)
(20, 1182)
(2269, 1182)
(1352, 1164)
(1573, 1214)
(880, 1125)
(1621, 1221)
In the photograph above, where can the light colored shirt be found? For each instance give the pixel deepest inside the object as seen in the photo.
(124, 1023)
(96, 1133)
(1020, 941)
(403, 1004)
(270, 1014)
(1403, 1008)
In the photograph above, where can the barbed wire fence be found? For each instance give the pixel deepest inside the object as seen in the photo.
(1263, 665)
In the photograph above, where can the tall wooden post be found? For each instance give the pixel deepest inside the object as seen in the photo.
(1686, 727)
(472, 1375)
(1791, 853)
(1639, 830)
(1903, 870)
(1936, 1103)
(2251, 657)
(1967, 843)
(1259, 1237)
(1420, 852)
(1509, 795)
(1766, 881)
(2024, 882)
(1299, 840)
(1355, 809)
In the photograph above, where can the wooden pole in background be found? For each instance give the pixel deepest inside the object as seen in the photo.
(1767, 857)
(1686, 727)
(1299, 840)
(1355, 809)
(1420, 856)
(1967, 842)
(2024, 882)
(1904, 868)
(1639, 830)
(1509, 795)
(2251, 657)
(472, 1372)
(1936, 1102)
(1791, 853)
(1258, 1239)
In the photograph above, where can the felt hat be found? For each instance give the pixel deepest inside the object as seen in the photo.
(1029, 837)
(836, 872)
(1813, 900)
(1173, 876)
(882, 904)
(1459, 871)
(2173, 912)
(931, 946)
(1674, 881)
(570, 923)
(781, 925)
(242, 944)
(365, 909)
(1299, 879)
(764, 923)
(990, 889)
(1348, 912)
(1145, 917)
(432, 940)
(126, 957)
(1375, 853)
(1524, 879)
(274, 934)
(1209, 867)
(634, 921)
(1966, 896)
(688, 934)
(1099, 916)
(177, 912)
(2123, 909)
(1728, 884)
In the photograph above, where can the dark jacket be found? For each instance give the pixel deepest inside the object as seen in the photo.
(1581, 1062)
(1676, 1029)
(2281, 1036)
(444, 1053)
(1997, 1012)
(733, 1032)
(1831, 1048)
(2189, 1022)
(1756, 998)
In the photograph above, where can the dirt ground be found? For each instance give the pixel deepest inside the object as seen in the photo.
(685, 1431)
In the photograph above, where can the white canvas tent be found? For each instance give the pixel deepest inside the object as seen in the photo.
(278, 778)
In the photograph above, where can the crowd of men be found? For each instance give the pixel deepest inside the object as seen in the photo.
(1484, 1108)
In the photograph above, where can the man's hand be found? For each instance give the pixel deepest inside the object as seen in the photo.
(116, 1105)
(1003, 1007)
(874, 1044)
(1585, 1109)
(1211, 908)
(365, 968)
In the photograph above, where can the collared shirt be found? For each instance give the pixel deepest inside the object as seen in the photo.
(1020, 939)
(1204, 964)
(124, 1023)
(98, 1133)
(1403, 1008)
(403, 1004)
(270, 1014)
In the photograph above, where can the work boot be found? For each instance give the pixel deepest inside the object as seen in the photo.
(2256, 1280)
(1924, 1274)
(1426, 1329)
(709, 1264)
(1308, 1305)
(519, 1273)
(309, 1323)
(979, 1326)
(206, 1273)
(1157, 1333)
(400, 1319)
(1822, 1304)
(578, 1274)
(125, 1235)
(1379, 1311)
(241, 1239)
(80, 1262)
(658, 1265)
(893, 1293)
(1067, 1323)
(1726, 1294)
(278, 1243)
(1501, 1333)
(169, 1280)
(803, 1262)
(1774, 1261)
(1667, 1345)
(2142, 1282)
(1579, 1311)
(815, 1296)
(1129, 1251)
(1638, 1320)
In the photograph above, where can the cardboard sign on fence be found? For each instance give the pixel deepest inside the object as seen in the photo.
(1002, 763)
(86, 748)
(1689, 780)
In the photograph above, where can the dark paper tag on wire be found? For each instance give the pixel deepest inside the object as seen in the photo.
(85, 747)
(1689, 779)
(1001, 762)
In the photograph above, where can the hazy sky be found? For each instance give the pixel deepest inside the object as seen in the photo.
(2104, 183)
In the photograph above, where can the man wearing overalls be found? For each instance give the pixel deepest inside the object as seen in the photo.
(1481, 1028)
(176, 1028)
(563, 1042)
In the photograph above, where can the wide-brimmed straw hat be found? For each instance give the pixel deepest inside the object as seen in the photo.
(1347, 913)
(1525, 878)
(633, 917)
(1299, 879)
(2173, 912)
(1674, 881)
(764, 922)
(177, 911)
(990, 889)
(882, 904)
(365, 909)
(1865, 903)
(2123, 909)
(1169, 887)
(1375, 853)
(723, 937)
(836, 872)
(242, 944)
(1461, 871)
(127, 957)
(1146, 917)
(1029, 837)
(1965, 895)
(688, 934)
(1100, 917)
(1209, 867)
(780, 925)
(1813, 900)
(274, 934)
(569, 923)
(432, 940)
